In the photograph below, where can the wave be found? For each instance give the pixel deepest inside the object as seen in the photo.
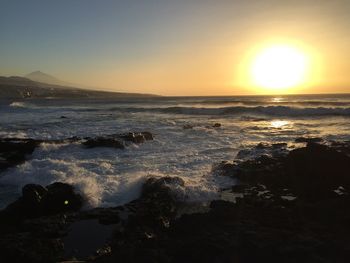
(18, 104)
(265, 102)
(236, 110)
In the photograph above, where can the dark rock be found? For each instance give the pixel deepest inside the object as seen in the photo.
(13, 151)
(33, 191)
(38, 201)
(24, 247)
(148, 136)
(114, 141)
(261, 226)
(225, 169)
(60, 198)
(317, 169)
(187, 126)
(160, 185)
(63, 117)
(137, 137)
(308, 140)
(103, 142)
(217, 125)
(104, 216)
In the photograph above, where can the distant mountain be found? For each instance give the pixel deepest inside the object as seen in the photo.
(45, 78)
(21, 88)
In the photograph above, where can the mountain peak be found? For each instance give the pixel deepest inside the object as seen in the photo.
(40, 76)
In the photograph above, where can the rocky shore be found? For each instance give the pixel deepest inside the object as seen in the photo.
(290, 204)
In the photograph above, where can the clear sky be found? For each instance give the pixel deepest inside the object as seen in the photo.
(173, 47)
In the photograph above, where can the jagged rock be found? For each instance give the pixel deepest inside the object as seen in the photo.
(38, 201)
(137, 137)
(13, 151)
(309, 140)
(24, 247)
(187, 127)
(103, 142)
(60, 198)
(316, 170)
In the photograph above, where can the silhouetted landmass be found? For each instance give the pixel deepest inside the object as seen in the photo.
(19, 88)
(42, 77)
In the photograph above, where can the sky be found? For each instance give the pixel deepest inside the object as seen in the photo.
(173, 47)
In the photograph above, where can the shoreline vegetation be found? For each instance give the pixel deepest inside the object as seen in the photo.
(290, 203)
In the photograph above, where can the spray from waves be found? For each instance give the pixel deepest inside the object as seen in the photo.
(101, 181)
(260, 110)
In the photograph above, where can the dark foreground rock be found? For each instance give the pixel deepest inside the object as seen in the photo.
(37, 201)
(33, 228)
(103, 142)
(288, 206)
(15, 151)
(118, 140)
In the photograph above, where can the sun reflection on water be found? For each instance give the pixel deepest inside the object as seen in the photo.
(277, 100)
(279, 123)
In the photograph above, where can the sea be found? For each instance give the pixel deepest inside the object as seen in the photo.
(111, 177)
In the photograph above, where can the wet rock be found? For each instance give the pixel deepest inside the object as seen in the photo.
(24, 247)
(308, 140)
(60, 198)
(317, 169)
(105, 216)
(33, 192)
(225, 169)
(103, 142)
(14, 151)
(137, 137)
(160, 185)
(158, 199)
(217, 125)
(148, 136)
(38, 201)
(187, 127)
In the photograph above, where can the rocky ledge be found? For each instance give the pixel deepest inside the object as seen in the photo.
(290, 205)
(14, 151)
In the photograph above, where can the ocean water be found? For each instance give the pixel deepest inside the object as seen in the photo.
(110, 177)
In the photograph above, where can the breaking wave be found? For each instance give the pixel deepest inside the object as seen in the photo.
(18, 104)
(262, 110)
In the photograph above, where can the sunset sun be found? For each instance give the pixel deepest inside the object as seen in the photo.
(279, 67)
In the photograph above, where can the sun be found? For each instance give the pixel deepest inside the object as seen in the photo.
(279, 67)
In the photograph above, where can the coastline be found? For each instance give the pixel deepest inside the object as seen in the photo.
(290, 205)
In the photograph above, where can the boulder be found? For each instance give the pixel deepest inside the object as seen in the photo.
(37, 201)
(60, 198)
(103, 142)
(308, 140)
(155, 186)
(13, 151)
(137, 137)
(315, 170)
(187, 127)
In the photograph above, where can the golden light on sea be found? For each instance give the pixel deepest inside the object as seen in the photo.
(279, 124)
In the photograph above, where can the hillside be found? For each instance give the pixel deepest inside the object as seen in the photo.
(42, 77)
(20, 87)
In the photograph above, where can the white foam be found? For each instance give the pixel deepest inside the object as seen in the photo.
(111, 177)
(18, 104)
